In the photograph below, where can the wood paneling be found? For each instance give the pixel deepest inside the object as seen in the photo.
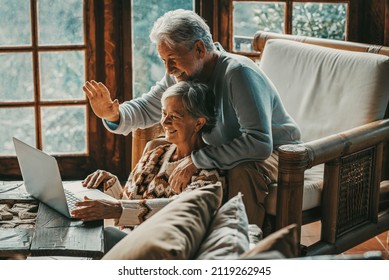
(373, 28)
(127, 79)
(225, 24)
(112, 62)
(386, 24)
(114, 69)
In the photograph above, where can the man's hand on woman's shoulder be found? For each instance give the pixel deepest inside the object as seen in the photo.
(182, 174)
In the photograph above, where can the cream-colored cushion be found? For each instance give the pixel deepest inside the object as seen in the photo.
(175, 232)
(227, 236)
(313, 187)
(326, 90)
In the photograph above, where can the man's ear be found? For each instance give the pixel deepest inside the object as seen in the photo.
(199, 124)
(200, 48)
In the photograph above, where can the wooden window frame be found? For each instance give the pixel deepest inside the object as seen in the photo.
(225, 20)
(72, 166)
(108, 48)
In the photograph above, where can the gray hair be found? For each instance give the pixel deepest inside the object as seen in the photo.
(197, 99)
(181, 27)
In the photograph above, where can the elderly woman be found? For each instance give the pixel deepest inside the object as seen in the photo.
(187, 112)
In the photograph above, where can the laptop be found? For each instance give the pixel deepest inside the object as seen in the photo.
(42, 180)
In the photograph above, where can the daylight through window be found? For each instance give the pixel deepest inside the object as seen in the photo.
(42, 73)
(314, 19)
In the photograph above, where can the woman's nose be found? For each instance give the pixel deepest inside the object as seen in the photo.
(169, 67)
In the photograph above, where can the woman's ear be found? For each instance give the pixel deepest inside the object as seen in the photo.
(200, 122)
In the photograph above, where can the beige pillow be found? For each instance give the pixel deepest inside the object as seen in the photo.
(228, 233)
(175, 232)
(284, 241)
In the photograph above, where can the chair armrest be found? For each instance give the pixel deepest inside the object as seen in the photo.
(348, 142)
(331, 150)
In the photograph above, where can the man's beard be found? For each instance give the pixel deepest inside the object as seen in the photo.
(196, 74)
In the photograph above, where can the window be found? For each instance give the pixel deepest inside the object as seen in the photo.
(43, 70)
(43, 58)
(48, 48)
(323, 19)
(147, 66)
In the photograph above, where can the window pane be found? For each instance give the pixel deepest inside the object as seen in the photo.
(249, 17)
(19, 123)
(15, 22)
(64, 129)
(16, 80)
(148, 67)
(62, 75)
(320, 20)
(60, 22)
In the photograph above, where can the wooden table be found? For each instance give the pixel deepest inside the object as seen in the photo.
(53, 234)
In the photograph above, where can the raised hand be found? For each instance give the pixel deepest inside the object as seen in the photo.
(101, 102)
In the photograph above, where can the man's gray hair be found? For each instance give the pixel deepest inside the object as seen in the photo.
(181, 27)
(197, 99)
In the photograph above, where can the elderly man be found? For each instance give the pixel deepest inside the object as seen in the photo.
(251, 119)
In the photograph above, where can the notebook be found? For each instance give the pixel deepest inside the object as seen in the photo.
(43, 181)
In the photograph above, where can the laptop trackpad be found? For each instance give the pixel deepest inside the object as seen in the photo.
(80, 191)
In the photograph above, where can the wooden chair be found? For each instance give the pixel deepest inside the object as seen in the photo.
(338, 94)
(140, 138)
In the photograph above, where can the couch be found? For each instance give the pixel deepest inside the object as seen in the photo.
(338, 93)
(196, 226)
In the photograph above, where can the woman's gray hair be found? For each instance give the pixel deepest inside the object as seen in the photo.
(197, 99)
(181, 27)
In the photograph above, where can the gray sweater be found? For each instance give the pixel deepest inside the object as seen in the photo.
(251, 122)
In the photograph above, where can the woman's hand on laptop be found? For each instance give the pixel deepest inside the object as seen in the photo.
(92, 210)
(98, 177)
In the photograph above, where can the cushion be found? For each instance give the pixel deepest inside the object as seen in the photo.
(313, 187)
(255, 235)
(284, 241)
(320, 86)
(228, 233)
(175, 232)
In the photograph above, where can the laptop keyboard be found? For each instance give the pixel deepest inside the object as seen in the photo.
(71, 199)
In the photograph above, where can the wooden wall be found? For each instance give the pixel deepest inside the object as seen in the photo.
(113, 68)
(375, 29)
(386, 28)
